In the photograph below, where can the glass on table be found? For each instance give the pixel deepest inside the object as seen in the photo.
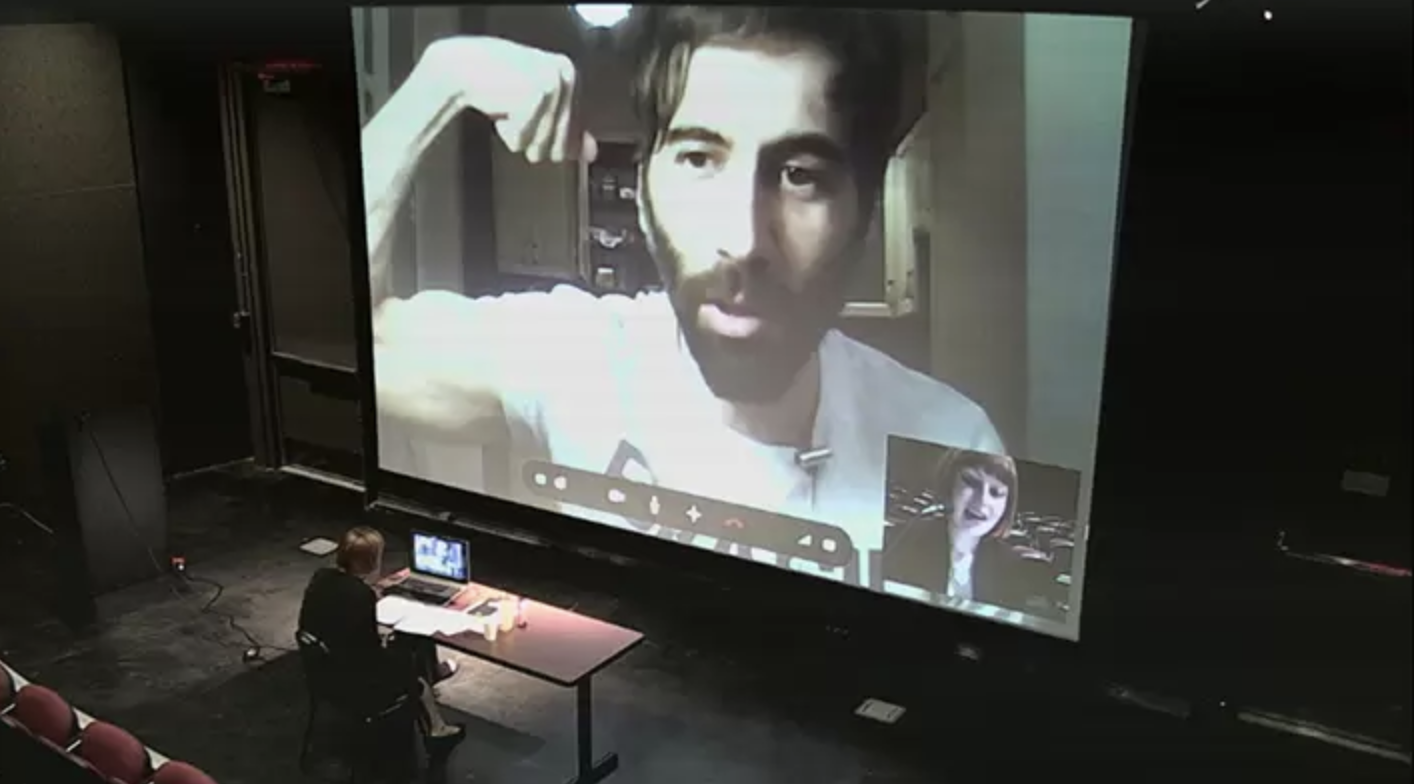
(506, 612)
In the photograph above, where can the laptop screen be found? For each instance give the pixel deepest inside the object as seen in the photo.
(439, 556)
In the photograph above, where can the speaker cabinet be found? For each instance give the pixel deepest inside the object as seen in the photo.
(107, 504)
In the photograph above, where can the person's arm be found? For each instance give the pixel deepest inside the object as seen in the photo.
(427, 347)
(393, 143)
(988, 440)
(365, 610)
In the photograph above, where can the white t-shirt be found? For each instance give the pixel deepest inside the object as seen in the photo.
(582, 375)
(960, 575)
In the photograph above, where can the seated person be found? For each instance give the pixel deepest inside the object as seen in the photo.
(340, 608)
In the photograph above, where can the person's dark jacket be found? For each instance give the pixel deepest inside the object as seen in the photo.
(341, 610)
(918, 552)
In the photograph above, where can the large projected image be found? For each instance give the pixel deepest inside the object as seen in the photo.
(818, 288)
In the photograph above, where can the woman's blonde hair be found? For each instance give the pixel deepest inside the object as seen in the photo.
(955, 461)
(360, 551)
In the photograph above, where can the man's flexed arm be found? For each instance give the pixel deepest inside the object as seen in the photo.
(394, 142)
(530, 96)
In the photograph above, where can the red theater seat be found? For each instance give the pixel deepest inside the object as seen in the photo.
(46, 714)
(115, 753)
(180, 773)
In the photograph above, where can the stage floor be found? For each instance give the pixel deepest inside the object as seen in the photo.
(690, 706)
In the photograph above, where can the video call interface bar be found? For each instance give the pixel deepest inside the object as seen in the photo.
(645, 506)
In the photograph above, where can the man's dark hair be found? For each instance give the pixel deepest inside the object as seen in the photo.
(867, 45)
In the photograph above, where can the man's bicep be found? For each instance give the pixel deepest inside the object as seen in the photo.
(433, 401)
(440, 365)
(470, 368)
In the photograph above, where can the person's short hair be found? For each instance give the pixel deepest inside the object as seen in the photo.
(360, 550)
(868, 45)
(955, 461)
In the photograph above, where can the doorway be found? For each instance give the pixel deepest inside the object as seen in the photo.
(287, 173)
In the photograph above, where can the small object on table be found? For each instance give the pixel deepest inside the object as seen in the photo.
(521, 607)
(483, 610)
(490, 629)
(506, 617)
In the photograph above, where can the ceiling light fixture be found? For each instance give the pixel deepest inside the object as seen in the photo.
(602, 14)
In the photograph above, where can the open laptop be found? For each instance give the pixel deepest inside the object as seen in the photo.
(440, 569)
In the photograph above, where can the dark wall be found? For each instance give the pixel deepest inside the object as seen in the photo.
(297, 148)
(174, 114)
(1259, 346)
(117, 279)
(75, 322)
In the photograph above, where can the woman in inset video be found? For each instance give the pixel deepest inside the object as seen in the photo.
(946, 545)
(979, 494)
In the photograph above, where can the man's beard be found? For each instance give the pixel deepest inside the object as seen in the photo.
(759, 369)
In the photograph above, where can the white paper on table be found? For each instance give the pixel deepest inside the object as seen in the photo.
(461, 623)
(391, 609)
(417, 620)
(423, 620)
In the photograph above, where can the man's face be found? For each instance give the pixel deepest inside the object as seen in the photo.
(751, 211)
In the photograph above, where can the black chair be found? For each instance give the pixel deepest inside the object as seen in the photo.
(384, 733)
(18, 748)
(26, 757)
(7, 690)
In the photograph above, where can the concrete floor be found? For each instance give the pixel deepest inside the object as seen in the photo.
(688, 707)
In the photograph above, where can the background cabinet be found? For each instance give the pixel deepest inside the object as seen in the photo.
(618, 258)
(537, 216)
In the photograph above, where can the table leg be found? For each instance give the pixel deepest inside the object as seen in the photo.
(589, 771)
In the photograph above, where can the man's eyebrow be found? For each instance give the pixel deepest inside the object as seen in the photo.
(812, 143)
(695, 133)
